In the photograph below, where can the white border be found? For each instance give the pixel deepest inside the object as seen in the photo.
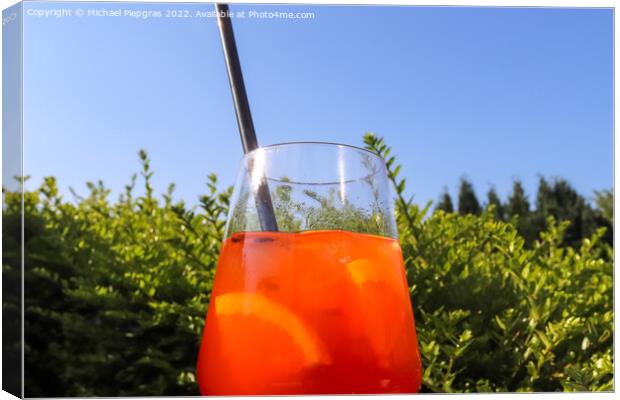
(483, 3)
(474, 3)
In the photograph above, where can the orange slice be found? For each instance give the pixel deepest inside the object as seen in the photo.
(382, 297)
(258, 306)
(364, 271)
(253, 345)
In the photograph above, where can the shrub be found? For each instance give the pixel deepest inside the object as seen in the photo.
(116, 293)
(495, 316)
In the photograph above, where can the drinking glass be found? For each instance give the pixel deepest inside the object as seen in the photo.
(320, 306)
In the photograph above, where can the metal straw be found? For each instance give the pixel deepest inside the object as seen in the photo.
(264, 205)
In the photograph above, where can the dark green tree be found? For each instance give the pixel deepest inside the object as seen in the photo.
(604, 200)
(560, 200)
(468, 202)
(445, 202)
(518, 209)
(544, 205)
(493, 200)
(518, 203)
(604, 213)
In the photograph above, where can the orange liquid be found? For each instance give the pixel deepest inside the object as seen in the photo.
(320, 312)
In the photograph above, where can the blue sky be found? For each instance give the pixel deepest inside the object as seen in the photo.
(492, 94)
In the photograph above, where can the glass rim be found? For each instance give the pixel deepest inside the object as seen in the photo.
(333, 145)
(283, 144)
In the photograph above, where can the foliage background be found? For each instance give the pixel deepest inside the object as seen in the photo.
(506, 298)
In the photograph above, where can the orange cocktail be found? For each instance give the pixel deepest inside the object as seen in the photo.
(314, 312)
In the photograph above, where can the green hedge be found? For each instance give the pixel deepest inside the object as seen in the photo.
(116, 294)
